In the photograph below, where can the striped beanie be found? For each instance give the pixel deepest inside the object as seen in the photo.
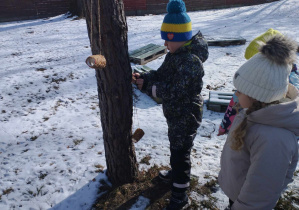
(176, 26)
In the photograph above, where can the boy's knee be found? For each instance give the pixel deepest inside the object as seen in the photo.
(180, 143)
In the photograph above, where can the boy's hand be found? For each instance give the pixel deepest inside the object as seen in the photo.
(135, 76)
(139, 83)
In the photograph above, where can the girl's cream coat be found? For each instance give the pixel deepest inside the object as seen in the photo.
(255, 176)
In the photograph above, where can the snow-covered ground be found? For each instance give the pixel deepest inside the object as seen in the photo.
(51, 142)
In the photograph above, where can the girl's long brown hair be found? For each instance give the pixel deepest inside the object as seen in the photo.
(240, 132)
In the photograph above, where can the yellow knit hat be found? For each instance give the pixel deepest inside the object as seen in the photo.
(253, 47)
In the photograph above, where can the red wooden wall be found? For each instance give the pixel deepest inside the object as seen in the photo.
(30, 9)
(135, 4)
(141, 7)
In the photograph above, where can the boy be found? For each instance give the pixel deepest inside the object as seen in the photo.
(178, 82)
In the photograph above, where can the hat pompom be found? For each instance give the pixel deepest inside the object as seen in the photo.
(265, 76)
(279, 49)
(176, 6)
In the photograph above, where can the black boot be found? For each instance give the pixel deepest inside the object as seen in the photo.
(179, 199)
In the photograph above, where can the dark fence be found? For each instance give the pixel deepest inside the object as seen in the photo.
(159, 6)
(11, 10)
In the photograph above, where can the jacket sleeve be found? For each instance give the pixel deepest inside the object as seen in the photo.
(152, 77)
(188, 80)
(148, 79)
(270, 157)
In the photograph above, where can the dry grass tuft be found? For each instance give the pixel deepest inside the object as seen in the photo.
(146, 160)
(147, 184)
(289, 200)
(7, 191)
(150, 186)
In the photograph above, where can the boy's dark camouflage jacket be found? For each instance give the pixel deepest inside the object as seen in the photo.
(179, 78)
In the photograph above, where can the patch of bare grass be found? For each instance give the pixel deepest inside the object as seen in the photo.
(150, 186)
(206, 190)
(7, 191)
(147, 184)
(146, 160)
(42, 175)
(99, 167)
(33, 138)
(289, 200)
(78, 141)
(39, 192)
(59, 80)
(41, 69)
(46, 118)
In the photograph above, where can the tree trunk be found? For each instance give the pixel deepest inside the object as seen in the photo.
(77, 8)
(107, 30)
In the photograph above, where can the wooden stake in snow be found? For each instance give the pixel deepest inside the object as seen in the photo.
(96, 61)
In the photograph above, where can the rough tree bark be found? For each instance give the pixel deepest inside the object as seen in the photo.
(77, 8)
(107, 30)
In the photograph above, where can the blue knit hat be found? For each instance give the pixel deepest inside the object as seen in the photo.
(176, 26)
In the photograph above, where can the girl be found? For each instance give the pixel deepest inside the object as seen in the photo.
(250, 51)
(261, 151)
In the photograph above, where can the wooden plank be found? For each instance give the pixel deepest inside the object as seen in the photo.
(150, 57)
(225, 41)
(141, 52)
(221, 93)
(218, 101)
(225, 97)
(140, 49)
(146, 68)
(220, 97)
(138, 69)
(152, 51)
(216, 107)
(147, 53)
